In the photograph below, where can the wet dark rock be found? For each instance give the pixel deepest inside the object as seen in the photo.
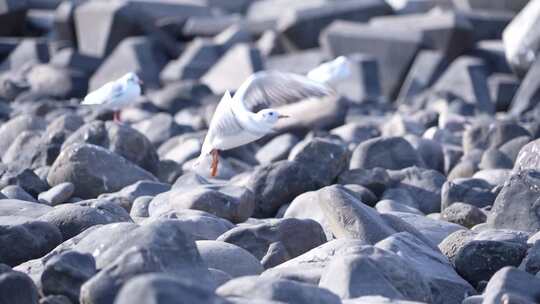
(17, 287)
(389, 153)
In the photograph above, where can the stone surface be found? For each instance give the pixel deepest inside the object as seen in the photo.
(229, 258)
(446, 285)
(276, 289)
(166, 288)
(388, 153)
(515, 206)
(276, 241)
(39, 238)
(90, 169)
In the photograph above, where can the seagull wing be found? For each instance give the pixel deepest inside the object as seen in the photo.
(271, 89)
(223, 123)
(107, 94)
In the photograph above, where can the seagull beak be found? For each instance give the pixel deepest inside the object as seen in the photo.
(283, 116)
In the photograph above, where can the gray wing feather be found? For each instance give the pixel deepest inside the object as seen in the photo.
(271, 89)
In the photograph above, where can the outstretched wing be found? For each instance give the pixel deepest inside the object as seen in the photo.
(107, 94)
(272, 89)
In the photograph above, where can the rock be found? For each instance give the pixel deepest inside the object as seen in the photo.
(12, 283)
(135, 54)
(463, 214)
(276, 149)
(65, 273)
(58, 194)
(305, 206)
(28, 51)
(525, 97)
(199, 224)
(18, 193)
(478, 261)
(521, 187)
(198, 57)
(11, 129)
(235, 204)
(276, 241)
(419, 186)
(159, 128)
(120, 139)
(55, 299)
(140, 206)
(375, 180)
(344, 38)
(300, 62)
(39, 238)
(430, 151)
(397, 152)
(160, 246)
(166, 288)
(478, 195)
(240, 61)
(347, 217)
(24, 178)
(178, 95)
(528, 157)
(513, 146)
(13, 207)
(72, 59)
(233, 260)
(495, 159)
(169, 171)
(502, 88)
(355, 133)
(484, 135)
(279, 183)
(300, 28)
(323, 159)
(309, 267)
(510, 282)
(466, 78)
(428, 65)
(89, 168)
(363, 84)
(263, 288)
(453, 243)
(503, 235)
(445, 284)
(57, 82)
(435, 230)
(373, 271)
(521, 38)
(531, 261)
(73, 219)
(445, 31)
(138, 189)
(389, 206)
(182, 148)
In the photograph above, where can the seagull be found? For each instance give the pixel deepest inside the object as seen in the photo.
(248, 116)
(116, 94)
(332, 71)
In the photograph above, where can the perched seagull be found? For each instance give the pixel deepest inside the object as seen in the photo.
(331, 71)
(116, 94)
(248, 115)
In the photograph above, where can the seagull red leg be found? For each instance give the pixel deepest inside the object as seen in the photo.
(215, 161)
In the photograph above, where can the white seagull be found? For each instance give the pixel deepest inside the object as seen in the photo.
(116, 94)
(248, 115)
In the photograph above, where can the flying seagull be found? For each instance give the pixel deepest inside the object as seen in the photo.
(248, 115)
(116, 94)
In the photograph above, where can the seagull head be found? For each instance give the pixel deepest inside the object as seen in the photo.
(132, 78)
(270, 116)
